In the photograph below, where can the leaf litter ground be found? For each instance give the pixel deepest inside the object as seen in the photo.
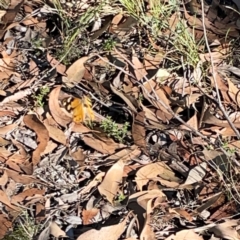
(119, 120)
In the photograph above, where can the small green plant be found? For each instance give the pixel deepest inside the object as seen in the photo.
(112, 129)
(24, 229)
(109, 45)
(155, 16)
(39, 98)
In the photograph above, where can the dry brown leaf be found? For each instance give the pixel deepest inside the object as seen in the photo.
(75, 72)
(225, 230)
(138, 130)
(139, 69)
(196, 23)
(20, 178)
(4, 199)
(98, 178)
(233, 92)
(106, 147)
(150, 171)
(61, 69)
(27, 193)
(147, 232)
(33, 123)
(105, 233)
(55, 133)
(58, 114)
(80, 128)
(184, 235)
(196, 174)
(88, 215)
(125, 154)
(4, 179)
(142, 198)
(153, 93)
(113, 178)
(56, 231)
(11, 13)
(193, 122)
(182, 213)
(7, 113)
(152, 63)
(4, 130)
(5, 225)
(124, 97)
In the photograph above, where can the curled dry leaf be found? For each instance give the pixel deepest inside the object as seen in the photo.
(4, 130)
(105, 147)
(147, 232)
(110, 184)
(75, 72)
(184, 235)
(150, 171)
(25, 194)
(93, 183)
(138, 130)
(55, 133)
(58, 114)
(88, 215)
(33, 123)
(156, 96)
(5, 225)
(142, 198)
(55, 63)
(139, 69)
(5, 200)
(20, 178)
(105, 233)
(233, 92)
(56, 231)
(225, 230)
(196, 174)
(4, 179)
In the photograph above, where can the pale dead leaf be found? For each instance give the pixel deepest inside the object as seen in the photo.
(56, 231)
(33, 123)
(55, 63)
(75, 72)
(225, 230)
(55, 133)
(184, 235)
(139, 69)
(5, 200)
(150, 171)
(98, 178)
(147, 232)
(5, 225)
(107, 147)
(162, 74)
(138, 130)
(4, 130)
(4, 179)
(105, 233)
(196, 174)
(142, 198)
(233, 92)
(113, 178)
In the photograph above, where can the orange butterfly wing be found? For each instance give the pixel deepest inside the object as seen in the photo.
(81, 109)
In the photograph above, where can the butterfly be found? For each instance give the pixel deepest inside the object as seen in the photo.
(80, 108)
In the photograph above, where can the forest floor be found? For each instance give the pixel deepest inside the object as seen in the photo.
(119, 120)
